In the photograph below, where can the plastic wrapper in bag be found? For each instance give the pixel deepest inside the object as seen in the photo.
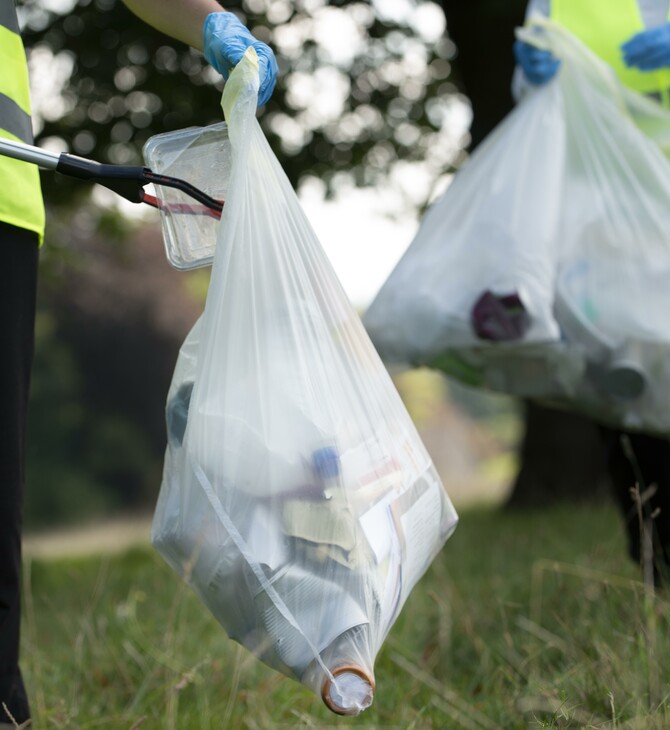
(587, 182)
(297, 498)
(202, 157)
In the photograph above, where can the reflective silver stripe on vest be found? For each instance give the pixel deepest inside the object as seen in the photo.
(12, 117)
(15, 120)
(8, 15)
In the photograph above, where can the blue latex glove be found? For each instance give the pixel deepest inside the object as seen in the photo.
(648, 50)
(225, 39)
(539, 66)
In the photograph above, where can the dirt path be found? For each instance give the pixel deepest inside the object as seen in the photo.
(119, 534)
(112, 536)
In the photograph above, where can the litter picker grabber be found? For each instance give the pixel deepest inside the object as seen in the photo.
(128, 181)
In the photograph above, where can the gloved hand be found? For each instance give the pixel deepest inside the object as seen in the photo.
(225, 39)
(539, 66)
(648, 50)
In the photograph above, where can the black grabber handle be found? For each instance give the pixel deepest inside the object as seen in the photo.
(128, 181)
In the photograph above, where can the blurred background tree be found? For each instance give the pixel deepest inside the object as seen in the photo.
(367, 93)
(362, 87)
(364, 93)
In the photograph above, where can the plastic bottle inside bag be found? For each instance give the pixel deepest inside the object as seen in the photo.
(304, 612)
(625, 374)
(351, 690)
(617, 364)
(260, 431)
(344, 675)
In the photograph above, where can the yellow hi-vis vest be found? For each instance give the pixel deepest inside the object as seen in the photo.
(20, 192)
(604, 25)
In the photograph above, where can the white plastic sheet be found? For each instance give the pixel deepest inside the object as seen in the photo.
(297, 497)
(566, 206)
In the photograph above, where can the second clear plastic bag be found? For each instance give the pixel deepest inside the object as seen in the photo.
(297, 499)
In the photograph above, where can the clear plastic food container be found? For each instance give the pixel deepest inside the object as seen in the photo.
(202, 157)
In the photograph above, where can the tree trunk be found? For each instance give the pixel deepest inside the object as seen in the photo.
(483, 31)
(562, 457)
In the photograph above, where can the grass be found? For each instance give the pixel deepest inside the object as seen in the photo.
(525, 620)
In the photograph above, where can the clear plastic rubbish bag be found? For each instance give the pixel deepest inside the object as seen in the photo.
(595, 182)
(297, 497)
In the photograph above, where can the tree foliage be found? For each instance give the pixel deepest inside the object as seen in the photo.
(361, 86)
(365, 92)
(362, 90)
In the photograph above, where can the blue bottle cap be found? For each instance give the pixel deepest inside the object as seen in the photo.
(326, 462)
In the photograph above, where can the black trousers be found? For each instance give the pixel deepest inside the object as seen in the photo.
(18, 283)
(646, 464)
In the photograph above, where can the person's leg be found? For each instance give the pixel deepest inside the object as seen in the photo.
(646, 464)
(18, 280)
